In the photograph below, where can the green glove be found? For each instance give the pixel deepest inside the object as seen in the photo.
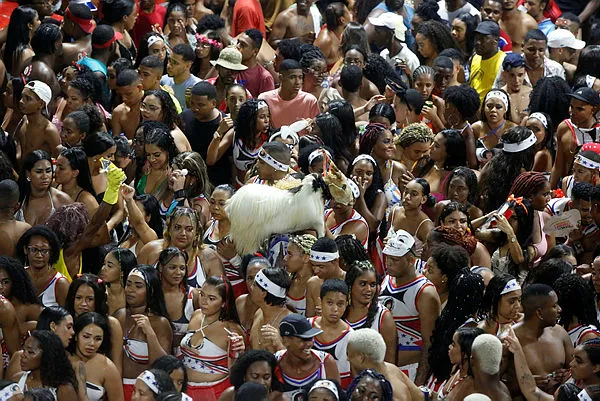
(115, 177)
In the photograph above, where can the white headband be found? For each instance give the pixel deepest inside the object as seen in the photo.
(316, 256)
(589, 81)
(150, 380)
(520, 146)
(541, 118)
(11, 390)
(269, 286)
(264, 156)
(498, 95)
(261, 104)
(326, 384)
(153, 39)
(137, 273)
(316, 153)
(364, 157)
(584, 396)
(511, 286)
(587, 163)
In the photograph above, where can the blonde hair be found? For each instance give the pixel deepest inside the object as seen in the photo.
(304, 242)
(414, 133)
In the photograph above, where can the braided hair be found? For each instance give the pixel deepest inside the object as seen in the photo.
(304, 242)
(386, 387)
(576, 299)
(413, 133)
(465, 295)
(357, 269)
(370, 136)
(528, 183)
(549, 96)
(350, 249)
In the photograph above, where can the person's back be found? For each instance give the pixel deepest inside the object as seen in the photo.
(247, 14)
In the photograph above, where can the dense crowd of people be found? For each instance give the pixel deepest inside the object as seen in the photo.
(330, 200)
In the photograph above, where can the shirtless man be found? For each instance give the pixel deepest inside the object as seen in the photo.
(337, 17)
(325, 261)
(366, 350)
(10, 229)
(513, 73)
(47, 45)
(268, 292)
(350, 81)
(126, 116)
(547, 346)
(295, 22)
(77, 30)
(36, 132)
(516, 23)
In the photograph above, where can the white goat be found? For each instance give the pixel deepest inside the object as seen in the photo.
(257, 211)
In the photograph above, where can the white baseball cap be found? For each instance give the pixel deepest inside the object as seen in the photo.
(388, 20)
(41, 89)
(399, 244)
(564, 38)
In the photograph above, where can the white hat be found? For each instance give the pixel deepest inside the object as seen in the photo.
(388, 20)
(41, 89)
(400, 32)
(477, 397)
(564, 38)
(399, 244)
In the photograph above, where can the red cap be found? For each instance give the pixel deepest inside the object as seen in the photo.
(86, 25)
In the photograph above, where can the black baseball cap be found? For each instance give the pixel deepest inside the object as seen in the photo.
(587, 95)
(488, 28)
(513, 60)
(295, 325)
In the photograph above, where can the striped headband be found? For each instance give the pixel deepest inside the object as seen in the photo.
(267, 158)
(498, 95)
(266, 284)
(364, 157)
(150, 380)
(511, 286)
(326, 384)
(9, 391)
(316, 256)
(587, 163)
(520, 146)
(542, 118)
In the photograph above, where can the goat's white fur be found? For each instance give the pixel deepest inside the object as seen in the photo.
(257, 211)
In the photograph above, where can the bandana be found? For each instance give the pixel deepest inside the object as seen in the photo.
(511, 286)
(263, 282)
(279, 166)
(150, 380)
(316, 256)
(587, 163)
(326, 384)
(497, 95)
(520, 146)
(9, 391)
(541, 118)
(364, 157)
(154, 39)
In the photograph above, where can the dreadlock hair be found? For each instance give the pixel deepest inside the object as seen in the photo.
(497, 178)
(245, 125)
(438, 34)
(377, 69)
(492, 295)
(465, 294)
(22, 287)
(196, 167)
(193, 215)
(592, 349)
(527, 184)
(470, 180)
(370, 136)
(350, 250)
(228, 311)
(549, 271)
(310, 55)
(413, 133)
(357, 269)
(428, 11)
(465, 99)
(304, 242)
(576, 299)
(549, 95)
(55, 368)
(386, 387)
(167, 255)
(69, 222)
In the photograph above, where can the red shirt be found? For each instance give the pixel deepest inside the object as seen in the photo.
(145, 21)
(247, 14)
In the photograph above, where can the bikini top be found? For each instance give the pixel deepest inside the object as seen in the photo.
(136, 350)
(95, 392)
(207, 357)
(20, 214)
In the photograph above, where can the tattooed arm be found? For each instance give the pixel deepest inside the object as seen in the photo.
(524, 377)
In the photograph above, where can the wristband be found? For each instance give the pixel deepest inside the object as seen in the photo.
(179, 194)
